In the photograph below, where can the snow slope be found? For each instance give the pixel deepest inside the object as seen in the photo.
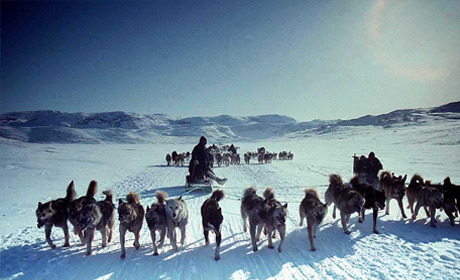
(404, 249)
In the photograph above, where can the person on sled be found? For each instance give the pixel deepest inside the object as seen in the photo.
(373, 167)
(199, 166)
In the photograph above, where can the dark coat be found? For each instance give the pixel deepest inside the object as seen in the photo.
(199, 153)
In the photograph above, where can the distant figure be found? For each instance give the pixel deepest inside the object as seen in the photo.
(232, 149)
(199, 167)
(373, 168)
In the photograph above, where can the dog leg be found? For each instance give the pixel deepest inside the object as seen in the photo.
(104, 237)
(361, 215)
(270, 241)
(417, 208)
(282, 231)
(301, 214)
(451, 218)
(427, 212)
(89, 235)
(122, 241)
(218, 241)
(333, 212)
(162, 237)
(48, 236)
(172, 237)
(400, 203)
(310, 236)
(206, 236)
(387, 208)
(153, 236)
(433, 216)
(110, 234)
(259, 231)
(79, 232)
(375, 214)
(182, 235)
(344, 219)
(252, 232)
(243, 215)
(65, 228)
(137, 235)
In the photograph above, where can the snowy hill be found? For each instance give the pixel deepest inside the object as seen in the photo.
(123, 127)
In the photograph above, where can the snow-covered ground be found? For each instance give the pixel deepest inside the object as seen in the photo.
(404, 249)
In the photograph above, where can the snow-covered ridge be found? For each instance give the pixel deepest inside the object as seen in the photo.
(123, 127)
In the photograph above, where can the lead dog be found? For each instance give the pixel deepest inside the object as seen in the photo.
(432, 197)
(346, 199)
(373, 198)
(256, 209)
(212, 218)
(131, 217)
(394, 188)
(54, 213)
(156, 220)
(315, 211)
(276, 218)
(98, 216)
(176, 216)
(77, 205)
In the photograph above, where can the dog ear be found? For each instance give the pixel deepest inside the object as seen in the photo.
(148, 209)
(39, 204)
(180, 198)
(120, 201)
(285, 205)
(404, 178)
(51, 205)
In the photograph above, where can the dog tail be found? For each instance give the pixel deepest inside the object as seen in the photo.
(161, 196)
(92, 189)
(217, 195)
(417, 179)
(312, 192)
(133, 197)
(354, 181)
(71, 193)
(336, 180)
(269, 193)
(249, 191)
(108, 195)
(385, 175)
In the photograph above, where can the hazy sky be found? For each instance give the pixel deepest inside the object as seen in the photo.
(305, 59)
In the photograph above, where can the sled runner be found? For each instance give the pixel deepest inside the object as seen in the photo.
(192, 185)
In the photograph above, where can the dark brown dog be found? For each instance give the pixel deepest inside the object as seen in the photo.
(98, 216)
(416, 184)
(131, 217)
(373, 198)
(156, 220)
(256, 209)
(276, 218)
(345, 198)
(394, 188)
(54, 213)
(430, 196)
(77, 205)
(315, 212)
(212, 219)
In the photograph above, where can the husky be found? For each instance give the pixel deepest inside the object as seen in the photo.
(176, 216)
(374, 199)
(346, 199)
(247, 158)
(212, 218)
(131, 217)
(256, 209)
(77, 205)
(98, 216)
(168, 159)
(315, 212)
(430, 196)
(276, 218)
(394, 187)
(54, 213)
(416, 184)
(156, 220)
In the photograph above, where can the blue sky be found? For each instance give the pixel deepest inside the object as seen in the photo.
(304, 59)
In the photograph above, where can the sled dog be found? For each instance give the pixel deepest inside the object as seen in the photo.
(315, 212)
(156, 220)
(176, 216)
(256, 209)
(131, 217)
(54, 213)
(276, 218)
(394, 188)
(212, 218)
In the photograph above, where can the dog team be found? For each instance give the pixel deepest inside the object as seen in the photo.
(263, 213)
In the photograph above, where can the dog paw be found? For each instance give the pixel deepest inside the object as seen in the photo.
(313, 249)
(122, 256)
(433, 226)
(155, 253)
(255, 249)
(347, 232)
(360, 220)
(53, 246)
(217, 257)
(376, 231)
(279, 250)
(88, 253)
(66, 245)
(207, 243)
(271, 247)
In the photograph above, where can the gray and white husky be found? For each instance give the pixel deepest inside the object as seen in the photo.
(276, 218)
(176, 216)
(156, 220)
(256, 209)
